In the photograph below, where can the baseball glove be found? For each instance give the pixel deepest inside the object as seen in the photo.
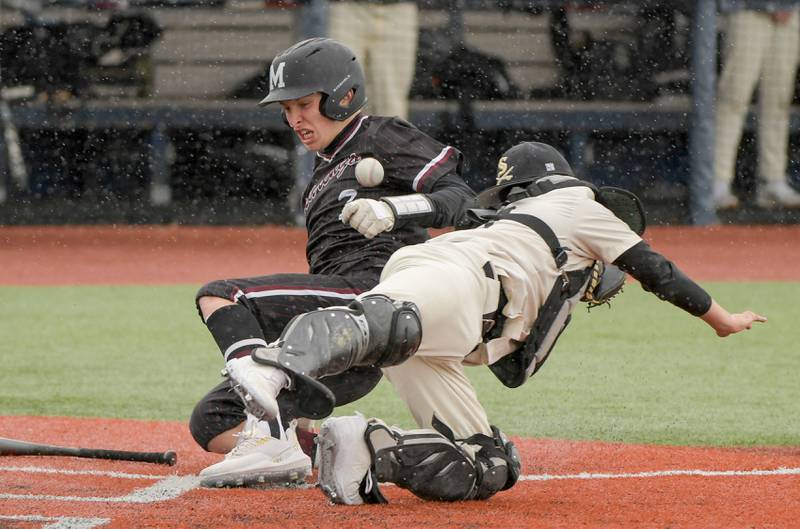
(605, 282)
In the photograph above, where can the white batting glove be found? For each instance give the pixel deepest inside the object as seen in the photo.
(369, 217)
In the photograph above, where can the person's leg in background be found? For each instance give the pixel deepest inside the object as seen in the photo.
(746, 41)
(393, 57)
(776, 91)
(348, 23)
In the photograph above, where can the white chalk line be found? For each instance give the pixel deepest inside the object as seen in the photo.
(664, 473)
(59, 522)
(166, 489)
(170, 487)
(110, 474)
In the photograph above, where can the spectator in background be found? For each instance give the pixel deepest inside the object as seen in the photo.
(761, 47)
(383, 34)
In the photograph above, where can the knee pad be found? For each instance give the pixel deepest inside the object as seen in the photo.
(499, 463)
(372, 332)
(421, 461)
(394, 329)
(433, 465)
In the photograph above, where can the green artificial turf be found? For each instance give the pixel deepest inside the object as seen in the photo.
(640, 371)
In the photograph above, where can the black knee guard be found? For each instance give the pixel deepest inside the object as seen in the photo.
(434, 466)
(394, 329)
(498, 460)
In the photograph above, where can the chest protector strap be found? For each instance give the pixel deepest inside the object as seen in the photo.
(553, 317)
(623, 204)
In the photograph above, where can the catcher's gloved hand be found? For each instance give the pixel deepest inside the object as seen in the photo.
(606, 282)
(369, 217)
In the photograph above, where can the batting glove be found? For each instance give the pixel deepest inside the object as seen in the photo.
(369, 217)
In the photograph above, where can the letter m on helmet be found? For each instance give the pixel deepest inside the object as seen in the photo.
(276, 76)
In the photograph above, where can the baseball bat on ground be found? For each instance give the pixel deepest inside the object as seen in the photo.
(13, 447)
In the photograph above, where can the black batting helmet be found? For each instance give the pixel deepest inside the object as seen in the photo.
(522, 163)
(318, 65)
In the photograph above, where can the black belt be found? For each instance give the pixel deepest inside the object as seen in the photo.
(491, 320)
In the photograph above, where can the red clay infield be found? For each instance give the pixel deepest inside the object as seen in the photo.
(170, 254)
(565, 484)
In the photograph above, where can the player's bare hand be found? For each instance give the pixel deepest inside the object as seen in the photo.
(740, 322)
(369, 217)
(725, 323)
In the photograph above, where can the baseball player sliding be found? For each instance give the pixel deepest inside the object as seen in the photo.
(355, 219)
(497, 294)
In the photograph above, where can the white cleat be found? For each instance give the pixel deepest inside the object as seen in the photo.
(778, 194)
(258, 385)
(343, 458)
(259, 460)
(722, 196)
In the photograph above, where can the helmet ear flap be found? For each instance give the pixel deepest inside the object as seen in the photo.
(331, 107)
(323, 106)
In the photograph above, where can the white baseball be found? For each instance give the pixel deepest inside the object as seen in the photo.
(369, 172)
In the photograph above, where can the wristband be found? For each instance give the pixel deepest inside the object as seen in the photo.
(411, 207)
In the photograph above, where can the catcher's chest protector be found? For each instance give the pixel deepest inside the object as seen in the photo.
(553, 317)
(555, 314)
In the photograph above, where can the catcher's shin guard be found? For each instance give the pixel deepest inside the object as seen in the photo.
(433, 465)
(372, 331)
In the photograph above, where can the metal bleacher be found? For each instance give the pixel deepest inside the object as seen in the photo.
(205, 52)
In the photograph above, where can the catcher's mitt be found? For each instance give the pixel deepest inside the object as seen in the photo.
(605, 282)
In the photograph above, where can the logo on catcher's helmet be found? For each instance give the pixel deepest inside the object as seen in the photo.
(276, 76)
(504, 170)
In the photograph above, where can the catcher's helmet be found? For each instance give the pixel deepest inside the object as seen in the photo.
(525, 162)
(318, 65)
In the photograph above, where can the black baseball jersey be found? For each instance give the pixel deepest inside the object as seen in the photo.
(413, 162)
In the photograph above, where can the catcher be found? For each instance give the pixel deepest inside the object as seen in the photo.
(498, 294)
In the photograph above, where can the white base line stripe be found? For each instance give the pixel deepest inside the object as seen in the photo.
(60, 522)
(44, 470)
(166, 489)
(664, 473)
(170, 487)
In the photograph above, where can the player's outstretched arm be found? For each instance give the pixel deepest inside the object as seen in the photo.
(725, 323)
(661, 277)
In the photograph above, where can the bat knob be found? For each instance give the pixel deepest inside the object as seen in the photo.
(170, 458)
